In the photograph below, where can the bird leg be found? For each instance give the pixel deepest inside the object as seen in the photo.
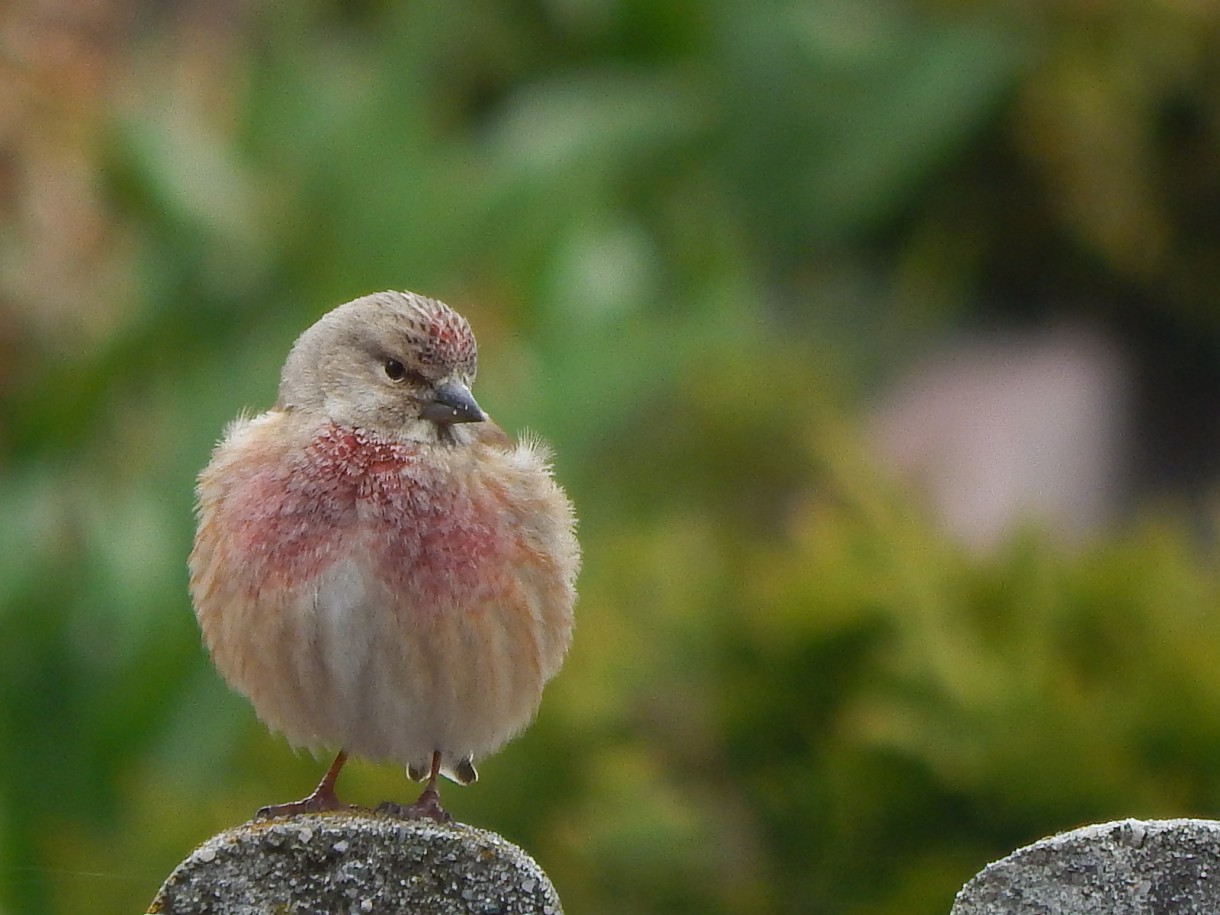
(322, 798)
(428, 806)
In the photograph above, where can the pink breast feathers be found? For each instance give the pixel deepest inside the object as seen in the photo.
(439, 538)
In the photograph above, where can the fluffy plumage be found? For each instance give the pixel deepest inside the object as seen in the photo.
(376, 567)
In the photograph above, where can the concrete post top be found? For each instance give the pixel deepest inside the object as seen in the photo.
(356, 862)
(1125, 867)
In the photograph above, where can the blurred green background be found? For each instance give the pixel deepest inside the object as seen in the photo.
(706, 247)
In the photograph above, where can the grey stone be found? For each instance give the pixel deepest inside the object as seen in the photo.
(1128, 867)
(356, 862)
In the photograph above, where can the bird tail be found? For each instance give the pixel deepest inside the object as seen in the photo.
(463, 772)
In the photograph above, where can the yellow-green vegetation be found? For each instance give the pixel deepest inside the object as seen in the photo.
(691, 237)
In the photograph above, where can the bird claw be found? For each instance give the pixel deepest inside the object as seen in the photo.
(322, 800)
(428, 807)
(311, 804)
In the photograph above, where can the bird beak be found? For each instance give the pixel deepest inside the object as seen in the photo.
(452, 402)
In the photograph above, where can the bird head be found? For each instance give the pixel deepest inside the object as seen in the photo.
(394, 363)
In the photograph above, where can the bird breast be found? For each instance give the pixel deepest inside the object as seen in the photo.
(355, 548)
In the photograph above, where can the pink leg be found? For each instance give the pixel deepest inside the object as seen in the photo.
(322, 798)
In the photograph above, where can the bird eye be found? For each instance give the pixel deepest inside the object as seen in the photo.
(395, 370)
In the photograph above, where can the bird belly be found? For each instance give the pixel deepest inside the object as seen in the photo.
(390, 678)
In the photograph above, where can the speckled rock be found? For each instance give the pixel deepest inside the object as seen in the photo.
(1129, 867)
(355, 863)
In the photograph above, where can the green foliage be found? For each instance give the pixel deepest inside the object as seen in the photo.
(687, 236)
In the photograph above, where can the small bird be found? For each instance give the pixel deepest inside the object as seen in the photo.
(377, 567)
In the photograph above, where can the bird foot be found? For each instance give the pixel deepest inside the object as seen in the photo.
(428, 807)
(318, 802)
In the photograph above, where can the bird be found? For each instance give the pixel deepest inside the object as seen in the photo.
(377, 567)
